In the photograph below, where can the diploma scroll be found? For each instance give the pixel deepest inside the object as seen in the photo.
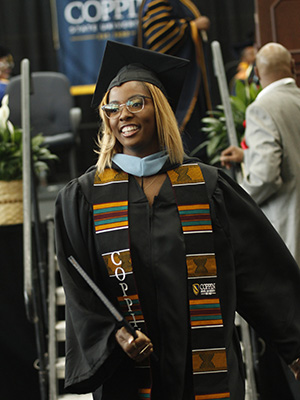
(111, 308)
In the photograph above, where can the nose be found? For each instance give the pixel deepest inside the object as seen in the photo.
(124, 112)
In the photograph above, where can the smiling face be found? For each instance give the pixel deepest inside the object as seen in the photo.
(136, 132)
(6, 66)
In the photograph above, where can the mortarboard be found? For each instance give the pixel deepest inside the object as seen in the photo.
(123, 63)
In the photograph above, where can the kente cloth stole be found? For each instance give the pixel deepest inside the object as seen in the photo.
(209, 361)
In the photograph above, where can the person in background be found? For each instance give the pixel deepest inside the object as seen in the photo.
(245, 68)
(271, 167)
(272, 135)
(176, 246)
(176, 27)
(6, 67)
(247, 60)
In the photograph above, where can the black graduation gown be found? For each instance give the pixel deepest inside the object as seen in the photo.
(257, 276)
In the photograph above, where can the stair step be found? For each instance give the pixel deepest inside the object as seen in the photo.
(60, 367)
(60, 329)
(60, 296)
(88, 396)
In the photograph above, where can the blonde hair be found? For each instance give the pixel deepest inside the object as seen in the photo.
(167, 130)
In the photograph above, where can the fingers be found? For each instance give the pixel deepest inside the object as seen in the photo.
(144, 352)
(205, 22)
(225, 163)
(295, 367)
(225, 154)
(138, 349)
(230, 155)
(202, 23)
(225, 158)
(228, 151)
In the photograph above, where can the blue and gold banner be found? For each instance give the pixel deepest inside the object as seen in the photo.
(83, 27)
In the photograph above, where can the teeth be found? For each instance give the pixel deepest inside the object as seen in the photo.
(128, 129)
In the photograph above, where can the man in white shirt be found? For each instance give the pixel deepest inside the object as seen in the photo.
(272, 162)
(271, 169)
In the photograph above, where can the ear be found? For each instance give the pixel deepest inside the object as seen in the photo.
(293, 68)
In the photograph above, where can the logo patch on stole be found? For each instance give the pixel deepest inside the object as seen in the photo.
(204, 289)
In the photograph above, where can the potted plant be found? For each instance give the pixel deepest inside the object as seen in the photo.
(11, 193)
(215, 124)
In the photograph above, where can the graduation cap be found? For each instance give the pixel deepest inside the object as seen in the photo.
(123, 63)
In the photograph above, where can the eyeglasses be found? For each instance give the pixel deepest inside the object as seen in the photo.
(134, 105)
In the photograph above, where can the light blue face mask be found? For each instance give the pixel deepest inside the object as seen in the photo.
(137, 166)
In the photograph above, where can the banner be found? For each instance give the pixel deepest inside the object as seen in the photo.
(82, 29)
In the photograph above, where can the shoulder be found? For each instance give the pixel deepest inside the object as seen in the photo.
(79, 188)
(276, 95)
(228, 200)
(279, 104)
(261, 109)
(86, 181)
(215, 178)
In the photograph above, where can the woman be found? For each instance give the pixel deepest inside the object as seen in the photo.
(174, 244)
(6, 67)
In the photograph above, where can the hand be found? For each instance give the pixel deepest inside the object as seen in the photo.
(137, 349)
(295, 367)
(230, 155)
(202, 23)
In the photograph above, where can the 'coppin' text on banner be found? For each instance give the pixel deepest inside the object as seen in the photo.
(83, 28)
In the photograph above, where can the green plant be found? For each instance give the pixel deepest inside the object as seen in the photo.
(214, 126)
(11, 148)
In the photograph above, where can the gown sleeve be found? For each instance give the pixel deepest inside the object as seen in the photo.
(163, 32)
(92, 354)
(267, 277)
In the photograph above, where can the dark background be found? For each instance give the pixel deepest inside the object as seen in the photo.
(26, 28)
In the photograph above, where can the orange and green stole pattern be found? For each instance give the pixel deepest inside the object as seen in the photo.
(209, 362)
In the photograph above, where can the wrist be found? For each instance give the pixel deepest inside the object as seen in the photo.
(295, 362)
(295, 368)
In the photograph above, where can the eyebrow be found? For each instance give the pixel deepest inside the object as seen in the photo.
(134, 95)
